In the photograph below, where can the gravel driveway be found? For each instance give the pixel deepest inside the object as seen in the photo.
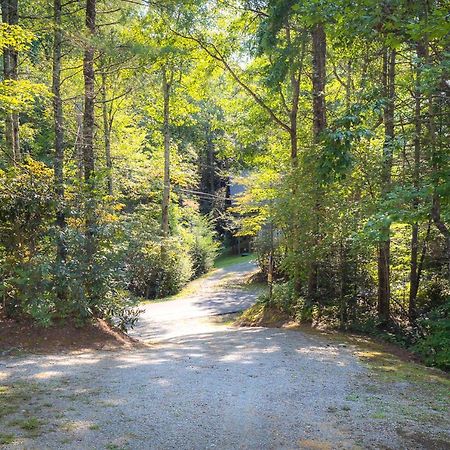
(202, 384)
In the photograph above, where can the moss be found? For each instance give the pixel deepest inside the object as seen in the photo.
(425, 398)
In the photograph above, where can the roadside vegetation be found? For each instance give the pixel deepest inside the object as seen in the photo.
(138, 137)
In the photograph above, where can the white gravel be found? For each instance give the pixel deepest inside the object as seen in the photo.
(204, 385)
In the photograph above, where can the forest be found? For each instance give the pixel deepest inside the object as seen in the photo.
(123, 124)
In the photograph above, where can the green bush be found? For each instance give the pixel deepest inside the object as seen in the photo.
(200, 239)
(34, 282)
(434, 347)
(283, 297)
(26, 217)
(159, 269)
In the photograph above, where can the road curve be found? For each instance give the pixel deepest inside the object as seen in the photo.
(204, 385)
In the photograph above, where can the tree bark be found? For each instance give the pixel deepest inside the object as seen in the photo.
(10, 15)
(295, 78)
(319, 49)
(441, 226)
(58, 164)
(107, 135)
(414, 279)
(166, 85)
(384, 248)
(88, 128)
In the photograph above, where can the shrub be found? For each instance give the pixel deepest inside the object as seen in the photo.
(158, 269)
(283, 297)
(435, 346)
(26, 216)
(199, 237)
(34, 282)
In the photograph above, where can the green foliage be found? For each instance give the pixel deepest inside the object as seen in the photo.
(35, 283)
(159, 268)
(26, 214)
(434, 347)
(283, 297)
(199, 237)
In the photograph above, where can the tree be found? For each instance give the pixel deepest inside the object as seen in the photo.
(88, 127)
(58, 164)
(10, 16)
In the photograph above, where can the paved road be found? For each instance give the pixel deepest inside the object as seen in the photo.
(204, 385)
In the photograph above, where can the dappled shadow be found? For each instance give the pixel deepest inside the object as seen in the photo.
(220, 293)
(243, 388)
(202, 385)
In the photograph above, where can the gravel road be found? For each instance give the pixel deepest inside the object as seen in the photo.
(202, 384)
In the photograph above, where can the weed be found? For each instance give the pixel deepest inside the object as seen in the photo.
(6, 438)
(31, 424)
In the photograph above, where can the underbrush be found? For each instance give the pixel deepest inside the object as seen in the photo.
(429, 339)
(52, 273)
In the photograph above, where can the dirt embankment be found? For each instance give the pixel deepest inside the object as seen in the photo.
(17, 336)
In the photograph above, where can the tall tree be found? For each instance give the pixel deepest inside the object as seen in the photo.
(107, 126)
(89, 126)
(384, 248)
(319, 51)
(10, 16)
(167, 80)
(58, 125)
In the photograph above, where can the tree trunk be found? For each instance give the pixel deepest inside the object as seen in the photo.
(88, 128)
(414, 279)
(436, 109)
(295, 79)
(58, 165)
(10, 15)
(107, 135)
(384, 248)
(441, 226)
(319, 49)
(166, 131)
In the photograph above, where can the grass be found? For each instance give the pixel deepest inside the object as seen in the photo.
(6, 438)
(225, 261)
(262, 315)
(31, 424)
(221, 262)
(15, 396)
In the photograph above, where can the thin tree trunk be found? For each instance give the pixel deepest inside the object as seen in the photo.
(441, 226)
(384, 248)
(10, 15)
(295, 79)
(107, 135)
(435, 139)
(59, 132)
(78, 112)
(343, 283)
(319, 49)
(166, 85)
(414, 271)
(88, 128)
